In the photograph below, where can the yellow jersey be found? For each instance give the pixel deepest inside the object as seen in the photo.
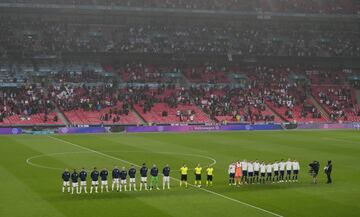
(198, 170)
(210, 171)
(183, 170)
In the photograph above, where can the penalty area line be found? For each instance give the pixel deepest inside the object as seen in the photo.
(203, 189)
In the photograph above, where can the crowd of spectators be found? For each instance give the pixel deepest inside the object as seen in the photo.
(299, 6)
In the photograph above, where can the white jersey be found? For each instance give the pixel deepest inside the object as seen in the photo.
(244, 165)
(276, 166)
(231, 168)
(296, 165)
(288, 165)
(250, 168)
(282, 166)
(256, 166)
(269, 168)
(262, 168)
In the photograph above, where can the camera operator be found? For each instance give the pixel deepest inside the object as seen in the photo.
(328, 170)
(314, 170)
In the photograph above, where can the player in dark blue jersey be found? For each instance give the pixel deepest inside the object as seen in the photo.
(94, 180)
(143, 178)
(123, 174)
(104, 182)
(74, 180)
(154, 172)
(83, 176)
(132, 173)
(66, 180)
(115, 178)
(166, 176)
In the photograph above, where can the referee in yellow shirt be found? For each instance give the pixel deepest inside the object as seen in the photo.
(184, 171)
(198, 171)
(210, 173)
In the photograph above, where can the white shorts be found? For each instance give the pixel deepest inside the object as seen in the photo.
(82, 183)
(132, 180)
(166, 178)
(75, 184)
(104, 182)
(116, 181)
(94, 183)
(143, 179)
(123, 181)
(66, 183)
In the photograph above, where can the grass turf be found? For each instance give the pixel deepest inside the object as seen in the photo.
(27, 190)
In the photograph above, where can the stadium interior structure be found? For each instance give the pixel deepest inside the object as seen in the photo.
(85, 62)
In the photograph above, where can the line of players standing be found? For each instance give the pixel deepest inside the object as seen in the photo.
(119, 179)
(251, 172)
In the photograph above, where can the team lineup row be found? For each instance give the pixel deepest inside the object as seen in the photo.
(251, 172)
(119, 178)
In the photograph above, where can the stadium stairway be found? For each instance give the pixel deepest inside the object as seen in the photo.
(357, 92)
(61, 116)
(138, 116)
(323, 112)
(276, 114)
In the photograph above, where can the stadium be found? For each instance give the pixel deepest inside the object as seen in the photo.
(179, 108)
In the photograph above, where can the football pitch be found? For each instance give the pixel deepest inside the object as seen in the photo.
(31, 168)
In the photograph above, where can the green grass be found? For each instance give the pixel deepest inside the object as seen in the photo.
(32, 191)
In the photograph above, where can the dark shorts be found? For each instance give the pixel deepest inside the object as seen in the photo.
(209, 177)
(251, 174)
(276, 173)
(197, 177)
(282, 172)
(183, 177)
(232, 175)
(262, 174)
(288, 172)
(269, 174)
(256, 173)
(244, 173)
(296, 172)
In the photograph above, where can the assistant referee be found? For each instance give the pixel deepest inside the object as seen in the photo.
(184, 171)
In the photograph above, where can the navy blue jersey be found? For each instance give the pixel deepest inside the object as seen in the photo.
(154, 171)
(115, 173)
(95, 175)
(132, 172)
(166, 171)
(143, 171)
(74, 177)
(123, 174)
(104, 174)
(66, 176)
(83, 175)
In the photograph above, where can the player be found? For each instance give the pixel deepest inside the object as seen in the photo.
(143, 174)
(282, 170)
(288, 166)
(231, 172)
(210, 173)
(166, 176)
(244, 167)
(94, 180)
(74, 180)
(296, 168)
(198, 170)
(250, 170)
(132, 173)
(262, 172)
(256, 166)
(238, 174)
(269, 168)
(104, 182)
(83, 176)
(115, 179)
(123, 175)
(154, 177)
(275, 167)
(66, 180)
(184, 172)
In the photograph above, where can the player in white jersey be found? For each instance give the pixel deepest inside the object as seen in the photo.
(250, 169)
(262, 172)
(282, 170)
(244, 167)
(269, 168)
(256, 166)
(231, 172)
(288, 166)
(276, 171)
(296, 168)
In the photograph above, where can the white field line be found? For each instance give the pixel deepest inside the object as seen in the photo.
(203, 189)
